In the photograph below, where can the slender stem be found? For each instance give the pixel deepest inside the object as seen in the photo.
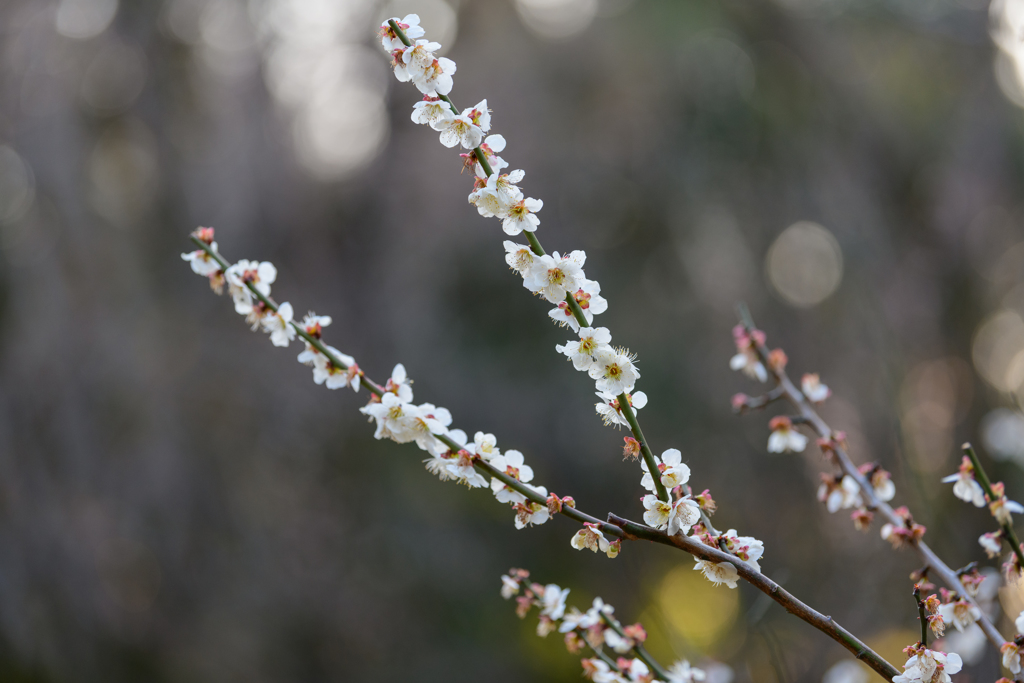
(842, 458)
(645, 450)
(825, 624)
(921, 615)
(641, 652)
(1009, 535)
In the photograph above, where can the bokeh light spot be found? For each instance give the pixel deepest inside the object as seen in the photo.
(17, 188)
(84, 19)
(804, 264)
(556, 19)
(701, 613)
(996, 350)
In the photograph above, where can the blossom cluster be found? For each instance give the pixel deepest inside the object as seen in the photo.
(596, 629)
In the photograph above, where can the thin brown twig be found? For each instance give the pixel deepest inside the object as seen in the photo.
(811, 418)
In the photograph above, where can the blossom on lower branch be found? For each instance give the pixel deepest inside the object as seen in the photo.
(718, 573)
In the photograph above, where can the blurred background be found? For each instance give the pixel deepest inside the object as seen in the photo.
(179, 502)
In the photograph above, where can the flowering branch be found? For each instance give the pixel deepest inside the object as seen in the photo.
(480, 156)
(833, 441)
(1005, 522)
(791, 604)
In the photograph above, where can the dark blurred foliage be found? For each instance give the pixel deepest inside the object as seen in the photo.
(178, 501)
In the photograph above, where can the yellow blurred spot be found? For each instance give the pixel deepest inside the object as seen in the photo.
(805, 264)
(695, 609)
(889, 644)
(996, 349)
(1011, 597)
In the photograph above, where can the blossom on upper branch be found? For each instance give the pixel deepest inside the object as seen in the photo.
(611, 412)
(511, 463)
(519, 257)
(458, 129)
(991, 543)
(881, 481)
(494, 195)
(784, 437)
(258, 274)
(491, 146)
(747, 548)
(581, 352)
(279, 325)
(839, 493)
(1011, 656)
(329, 374)
(966, 487)
(479, 115)
(430, 110)
(673, 471)
(588, 298)
(521, 216)
(614, 371)
(552, 275)
(201, 262)
(960, 613)
(410, 25)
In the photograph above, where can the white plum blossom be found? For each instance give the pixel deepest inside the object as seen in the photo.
(279, 325)
(456, 130)
(412, 62)
(841, 495)
(991, 543)
(1001, 509)
(590, 537)
(519, 257)
(747, 548)
(530, 513)
(553, 601)
(959, 613)
(784, 437)
(479, 115)
(393, 418)
(588, 298)
(674, 471)
(881, 484)
(552, 275)
(1011, 657)
(682, 672)
(258, 274)
(410, 25)
(748, 362)
(521, 216)
(813, 389)
(930, 666)
(656, 512)
(511, 463)
(614, 371)
(327, 373)
(430, 110)
(495, 195)
(201, 262)
(685, 513)
(719, 573)
(509, 586)
(966, 487)
(599, 672)
(429, 422)
(486, 446)
(399, 384)
(491, 146)
(581, 352)
(609, 410)
(313, 324)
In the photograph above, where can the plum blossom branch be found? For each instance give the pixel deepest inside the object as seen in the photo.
(900, 521)
(791, 604)
(998, 504)
(499, 196)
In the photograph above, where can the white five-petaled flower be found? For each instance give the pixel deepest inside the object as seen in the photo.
(930, 666)
(495, 195)
(590, 537)
(279, 325)
(881, 483)
(656, 511)
(480, 115)
(685, 513)
(430, 110)
(748, 362)
(394, 418)
(966, 487)
(553, 601)
(682, 672)
(991, 543)
(784, 437)
(486, 446)
(328, 373)
(673, 471)
(519, 257)
(588, 298)
(552, 275)
(429, 423)
(521, 216)
(509, 586)
(813, 389)
(841, 495)
(747, 548)
(591, 341)
(201, 262)
(511, 463)
(258, 274)
(410, 25)
(530, 513)
(313, 324)
(399, 384)
(1011, 657)
(614, 371)
(719, 573)
(609, 408)
(960, 613)
(411, 62)
(456, 130)
(491, 147)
